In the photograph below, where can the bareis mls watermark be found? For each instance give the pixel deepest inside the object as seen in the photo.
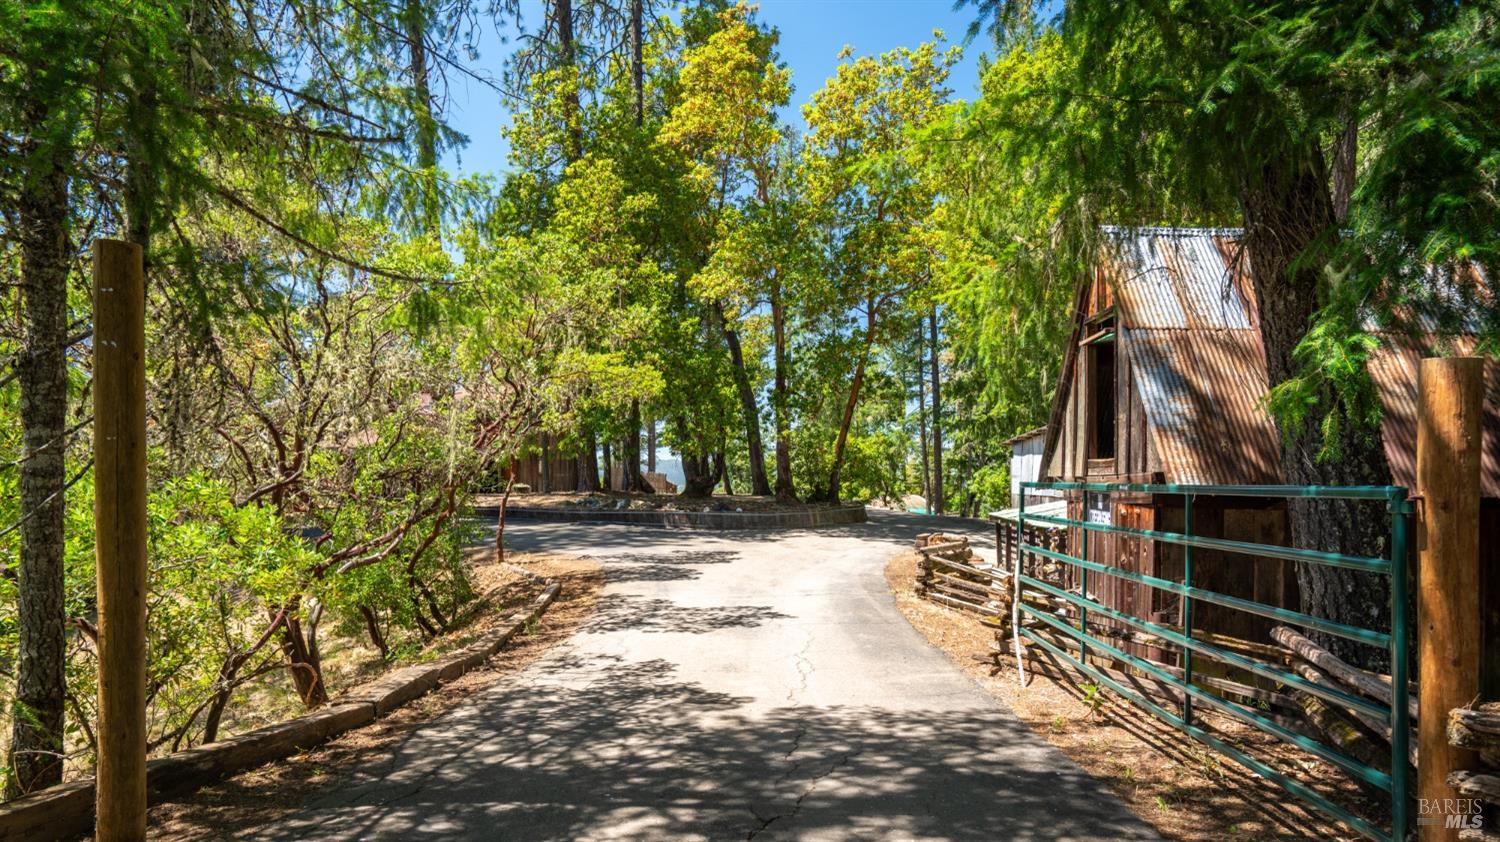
(1455, 813)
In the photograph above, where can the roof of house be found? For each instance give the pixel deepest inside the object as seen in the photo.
(1186, 312)
(1020, 437)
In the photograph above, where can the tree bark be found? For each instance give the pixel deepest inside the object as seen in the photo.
(651, 445)
(922, 418)
(786, 490)
(42, 206)
(721, 463)
(637, 65)
(588, 464)
(1345, 166)
(634, 481)
(545, 466)
(700, 472)
(303, 663)
(935, 505)
(563, 9)
(372, 628)
(760, 484)
(429, 207)
(1290, 227)
(835, 476)
(500, 520)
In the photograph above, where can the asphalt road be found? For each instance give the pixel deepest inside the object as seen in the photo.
(738, 685)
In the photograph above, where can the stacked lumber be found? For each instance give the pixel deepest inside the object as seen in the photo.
(949, 573)
(1477, 728)
(1352, 731)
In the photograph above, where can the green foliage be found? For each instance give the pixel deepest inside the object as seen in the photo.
(345, 342)
(1205, 112)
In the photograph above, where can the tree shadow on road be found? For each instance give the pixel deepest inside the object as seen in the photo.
(635, 613)
(608, 748)
(662, 567)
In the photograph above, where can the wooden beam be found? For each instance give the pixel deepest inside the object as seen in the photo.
(1449, 443)
(120, 536)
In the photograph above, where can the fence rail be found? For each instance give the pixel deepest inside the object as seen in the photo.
(1396, 784)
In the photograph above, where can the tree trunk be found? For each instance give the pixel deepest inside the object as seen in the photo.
(633, 479)
(935, 505)
(761, 486)
(429, 208)
(500, 520)
(1290, 227)
(721, 464)
(545, 464)
(588, 464)
(786, 490)
(303, 663)
(700, 472)
(834, 476)
(922, 419)
(637, 65)
(700, 475)
(372, 628)
(42, 206)
(563, 9)
(651, 445)
(1345, 165)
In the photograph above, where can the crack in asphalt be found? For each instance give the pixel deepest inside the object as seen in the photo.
(797, 805)
(804, 670)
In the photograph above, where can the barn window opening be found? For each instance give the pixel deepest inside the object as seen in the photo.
(1102, 396)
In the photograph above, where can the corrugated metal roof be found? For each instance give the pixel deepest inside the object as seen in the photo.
(1188, 322)
(1202, 392)
(1177, 278)
(1029, 434)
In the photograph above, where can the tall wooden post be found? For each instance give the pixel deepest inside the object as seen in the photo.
(1449, 447)
(120, 540)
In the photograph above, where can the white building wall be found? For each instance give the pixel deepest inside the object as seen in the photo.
(1025, 464)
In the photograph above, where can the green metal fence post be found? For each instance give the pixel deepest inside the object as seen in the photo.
(1083, 584)
(1401, 509)
(1047, 624)
(1187, 607)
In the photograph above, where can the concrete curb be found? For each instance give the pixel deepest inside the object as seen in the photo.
(804, 519)
(67, 810)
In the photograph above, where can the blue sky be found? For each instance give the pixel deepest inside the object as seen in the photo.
(812, 33)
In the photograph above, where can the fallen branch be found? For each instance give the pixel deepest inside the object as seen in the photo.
(1342, 733)
(1318, 677)
(1368, 684)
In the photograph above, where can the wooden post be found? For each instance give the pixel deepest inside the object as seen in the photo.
(1449, 445)
(120, 537)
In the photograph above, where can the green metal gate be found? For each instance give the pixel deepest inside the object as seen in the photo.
(1396, 784)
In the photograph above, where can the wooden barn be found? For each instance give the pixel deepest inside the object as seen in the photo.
(1163, 381)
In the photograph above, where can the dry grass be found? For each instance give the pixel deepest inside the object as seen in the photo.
(262, 795)
(1181, 787)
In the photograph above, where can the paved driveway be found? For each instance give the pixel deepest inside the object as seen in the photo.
(739, 685)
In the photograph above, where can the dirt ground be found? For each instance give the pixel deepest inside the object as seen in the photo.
(1183, 788)
(650, 502)
(259, 795)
